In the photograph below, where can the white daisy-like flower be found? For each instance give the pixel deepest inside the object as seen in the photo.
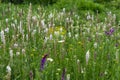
(50, 59)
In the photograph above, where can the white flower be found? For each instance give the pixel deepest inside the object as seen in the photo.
(57, 33)
(50, 15)
(6, 20)
(17, 53)
(50, 59)
(87, 56)
(51, 37)
(46, 39)
(68, 76)
(76, 36)
(67, 19)
(11, 53)
(46, 30)
(88, 16)
(69, 34)
(20, 27)
(78, 61)
(7, 30)
(61, 41)
(61, 29)
(27, 37)
(34, 18)
(15, 45)
(43, 23)
(95, 45)
(64, 10)
(2, 37)
(23, 51)
(8, 69)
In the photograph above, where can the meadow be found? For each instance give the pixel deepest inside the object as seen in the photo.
(41, 44)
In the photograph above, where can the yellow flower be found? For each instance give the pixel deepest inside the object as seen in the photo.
(58, 30)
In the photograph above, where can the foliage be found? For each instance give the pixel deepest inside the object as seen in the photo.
(79, 6)
(43, 2)
(102, 1)
(67, 45)
(89, 5)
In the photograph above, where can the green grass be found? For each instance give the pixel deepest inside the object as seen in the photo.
(65, 36)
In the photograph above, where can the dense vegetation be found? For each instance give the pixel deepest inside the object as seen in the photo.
(60, 41)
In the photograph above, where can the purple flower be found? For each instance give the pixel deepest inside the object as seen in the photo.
(43, 62)
(63, 74)
(110, 32)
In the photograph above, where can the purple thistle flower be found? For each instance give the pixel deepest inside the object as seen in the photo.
(43, 62)
(63, 74)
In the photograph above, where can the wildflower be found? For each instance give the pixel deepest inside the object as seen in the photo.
(88, 16)
(43, 61)
(43, 23)
(7, 30)
(27, 37)
(23, 51)
(50, 59)
(51, 37)
(11, 53)
(46, 39)
(8, 69)
(17, 53)
(69, 34)
(3, 37)
(76, 36)
(8, 76)
(68, 76)
(29, 16)
(61, 29)
(50, 15)
(87, 56)
(46, 30)
(61, 41)
(15, 45)
(57, 33)
(78, 61)
(95, 45)
(63, 74)
(64, 10)
(6, 20)
(34, 18)
(110, 32)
